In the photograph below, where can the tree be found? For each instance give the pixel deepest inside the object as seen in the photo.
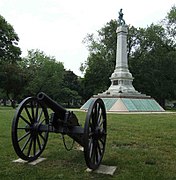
(9, 50)
(169, 23)
(12, 82)
(71, 80)
(153, 63)
(71, 89)
(43, 73)
(10, 74)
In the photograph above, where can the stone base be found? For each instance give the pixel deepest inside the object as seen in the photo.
(122, 95)
(128, 103)
(103, 169)
(121, 91)
(31, 163)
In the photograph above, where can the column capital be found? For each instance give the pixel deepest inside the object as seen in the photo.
(123, 28)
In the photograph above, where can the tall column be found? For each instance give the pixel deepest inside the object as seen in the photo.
(121, 78)
(121, 53)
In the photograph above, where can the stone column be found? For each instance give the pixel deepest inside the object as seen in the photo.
(121, 78)
(121, 53)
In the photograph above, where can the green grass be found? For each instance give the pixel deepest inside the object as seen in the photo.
(141, 146)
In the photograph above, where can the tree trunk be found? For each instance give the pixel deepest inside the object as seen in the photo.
(13, 102)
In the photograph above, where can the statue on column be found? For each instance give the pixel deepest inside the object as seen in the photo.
(121, 21)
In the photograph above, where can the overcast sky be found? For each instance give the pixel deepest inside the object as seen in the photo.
(58, 27)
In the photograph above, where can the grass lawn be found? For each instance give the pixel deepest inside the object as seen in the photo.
(142, 146)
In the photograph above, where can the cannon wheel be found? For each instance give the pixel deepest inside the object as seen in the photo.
(28, 141)
(95, 134)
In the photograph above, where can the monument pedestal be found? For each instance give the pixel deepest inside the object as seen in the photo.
(121, 95)
(127, 104)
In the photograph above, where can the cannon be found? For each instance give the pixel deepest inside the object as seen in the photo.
(32, 123)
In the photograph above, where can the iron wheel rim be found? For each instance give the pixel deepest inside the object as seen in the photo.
(95, 131)
(27, 140)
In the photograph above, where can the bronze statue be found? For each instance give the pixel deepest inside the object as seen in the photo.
(121, 21)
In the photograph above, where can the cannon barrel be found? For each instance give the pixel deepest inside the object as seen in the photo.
(58, 109)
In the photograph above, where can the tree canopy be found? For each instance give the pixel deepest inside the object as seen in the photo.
(10, 74)
(42, 73)
(9, 50)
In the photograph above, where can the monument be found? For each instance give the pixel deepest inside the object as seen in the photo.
(121, 95)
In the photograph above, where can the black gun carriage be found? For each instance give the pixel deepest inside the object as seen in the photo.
(32, 124)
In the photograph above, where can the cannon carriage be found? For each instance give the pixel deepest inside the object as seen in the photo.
(32, 124)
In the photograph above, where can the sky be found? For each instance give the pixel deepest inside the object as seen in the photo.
(58, 27)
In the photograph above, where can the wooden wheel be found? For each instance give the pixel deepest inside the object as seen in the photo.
(28, 141)
(95, 134)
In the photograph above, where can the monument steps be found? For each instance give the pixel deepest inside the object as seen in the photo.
(118, 104)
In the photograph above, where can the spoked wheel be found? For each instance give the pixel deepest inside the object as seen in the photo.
(95, 134)
(28, 141)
